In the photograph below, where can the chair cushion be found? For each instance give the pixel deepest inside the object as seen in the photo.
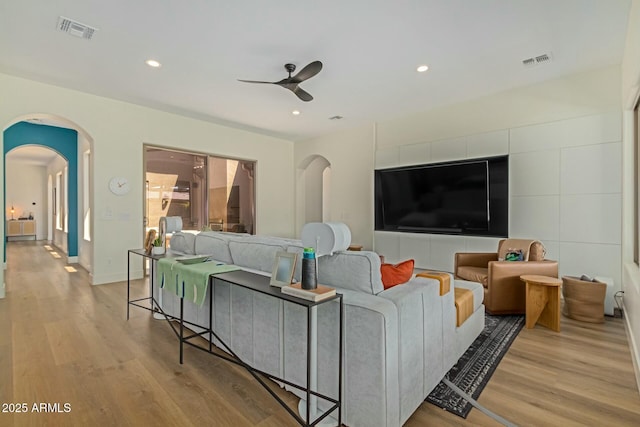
(537, 252)
(532, 250)
(474, 274)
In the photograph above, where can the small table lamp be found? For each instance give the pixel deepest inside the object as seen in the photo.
(12, 211)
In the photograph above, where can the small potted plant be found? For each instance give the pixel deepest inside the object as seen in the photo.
(158, 247)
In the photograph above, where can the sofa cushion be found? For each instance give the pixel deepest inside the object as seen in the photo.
(354, 270)
(397, 274)
(256, 252)
(474, 274)
(214, 244)
(183, 242)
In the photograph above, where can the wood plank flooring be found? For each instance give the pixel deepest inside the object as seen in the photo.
(65, 341)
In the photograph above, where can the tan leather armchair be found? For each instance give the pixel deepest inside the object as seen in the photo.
(504, 292)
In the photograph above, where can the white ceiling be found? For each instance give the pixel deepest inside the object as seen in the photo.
(370, 50)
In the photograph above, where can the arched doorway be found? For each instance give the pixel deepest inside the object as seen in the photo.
(313, 190)
(75, 145)
(28, 168)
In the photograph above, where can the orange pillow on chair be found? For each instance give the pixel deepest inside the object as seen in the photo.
(397, 274)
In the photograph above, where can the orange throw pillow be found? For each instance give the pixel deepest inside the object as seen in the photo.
(397, 274)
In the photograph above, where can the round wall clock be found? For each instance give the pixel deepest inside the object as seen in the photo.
(119, 185)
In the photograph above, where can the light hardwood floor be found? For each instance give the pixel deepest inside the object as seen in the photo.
(65, 341)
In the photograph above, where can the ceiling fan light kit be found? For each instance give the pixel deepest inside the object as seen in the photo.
(292, 82)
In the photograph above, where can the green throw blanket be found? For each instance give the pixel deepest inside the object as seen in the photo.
(189, 281)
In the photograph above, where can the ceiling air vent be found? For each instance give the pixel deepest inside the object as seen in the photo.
(75, 28)
(537, 60)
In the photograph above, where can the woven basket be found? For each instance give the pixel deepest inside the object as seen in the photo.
(583, 300)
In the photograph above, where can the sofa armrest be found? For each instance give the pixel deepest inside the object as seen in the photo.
(473, 259)
(371, 382)
(505, 291)
(422, 311)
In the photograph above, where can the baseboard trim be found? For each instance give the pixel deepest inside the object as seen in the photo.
(633, 346)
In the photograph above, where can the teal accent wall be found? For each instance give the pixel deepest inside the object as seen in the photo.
(62, 141)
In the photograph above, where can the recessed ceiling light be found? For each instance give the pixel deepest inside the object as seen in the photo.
(295, 112)
(153, 63)
(422, 68)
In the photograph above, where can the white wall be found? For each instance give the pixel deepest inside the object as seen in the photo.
(119, 130)
(54, 167)
(350, 154)
(85, 247)
(630, 92)
(565, 189)
(27, 184)
(548, 128)
(314, 188)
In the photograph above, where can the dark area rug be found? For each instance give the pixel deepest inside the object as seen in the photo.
(477, 364)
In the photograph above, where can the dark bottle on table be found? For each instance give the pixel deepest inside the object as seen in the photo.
(309, 269)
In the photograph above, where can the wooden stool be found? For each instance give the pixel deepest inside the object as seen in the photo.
(543, 301)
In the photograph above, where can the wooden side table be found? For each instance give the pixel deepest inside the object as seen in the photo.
(543, 301)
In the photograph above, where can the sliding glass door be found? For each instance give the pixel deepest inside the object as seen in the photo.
(175, 186)
(207, 192)
(231, 195)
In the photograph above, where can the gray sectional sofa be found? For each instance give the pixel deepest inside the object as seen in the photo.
(398, 343)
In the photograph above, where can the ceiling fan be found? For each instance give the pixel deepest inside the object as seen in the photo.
(292, 83)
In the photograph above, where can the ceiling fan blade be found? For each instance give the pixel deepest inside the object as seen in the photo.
(255, 81)
(302, 94)
(307, 72)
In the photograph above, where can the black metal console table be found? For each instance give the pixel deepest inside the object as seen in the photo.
(256, 283)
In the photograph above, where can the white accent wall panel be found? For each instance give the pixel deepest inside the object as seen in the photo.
(591, 259)
(535, 217)
(449, 149)
(481, 244)
(387, 158)
(535, 173)
(443, 251)
(488, 144)
(388, 244)
(588, 130)
(415, 246)
(592, 169)
(414, 154)
(565, 188)
(591, 218)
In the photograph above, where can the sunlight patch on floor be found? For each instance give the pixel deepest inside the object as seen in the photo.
(70, 269)
(47, 247)
(55, 254)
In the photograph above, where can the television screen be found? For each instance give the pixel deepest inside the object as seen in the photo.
(452, 197)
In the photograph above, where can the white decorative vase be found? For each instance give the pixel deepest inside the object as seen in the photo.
(157, 250)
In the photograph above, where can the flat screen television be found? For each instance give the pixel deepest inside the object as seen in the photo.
(467, 197)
